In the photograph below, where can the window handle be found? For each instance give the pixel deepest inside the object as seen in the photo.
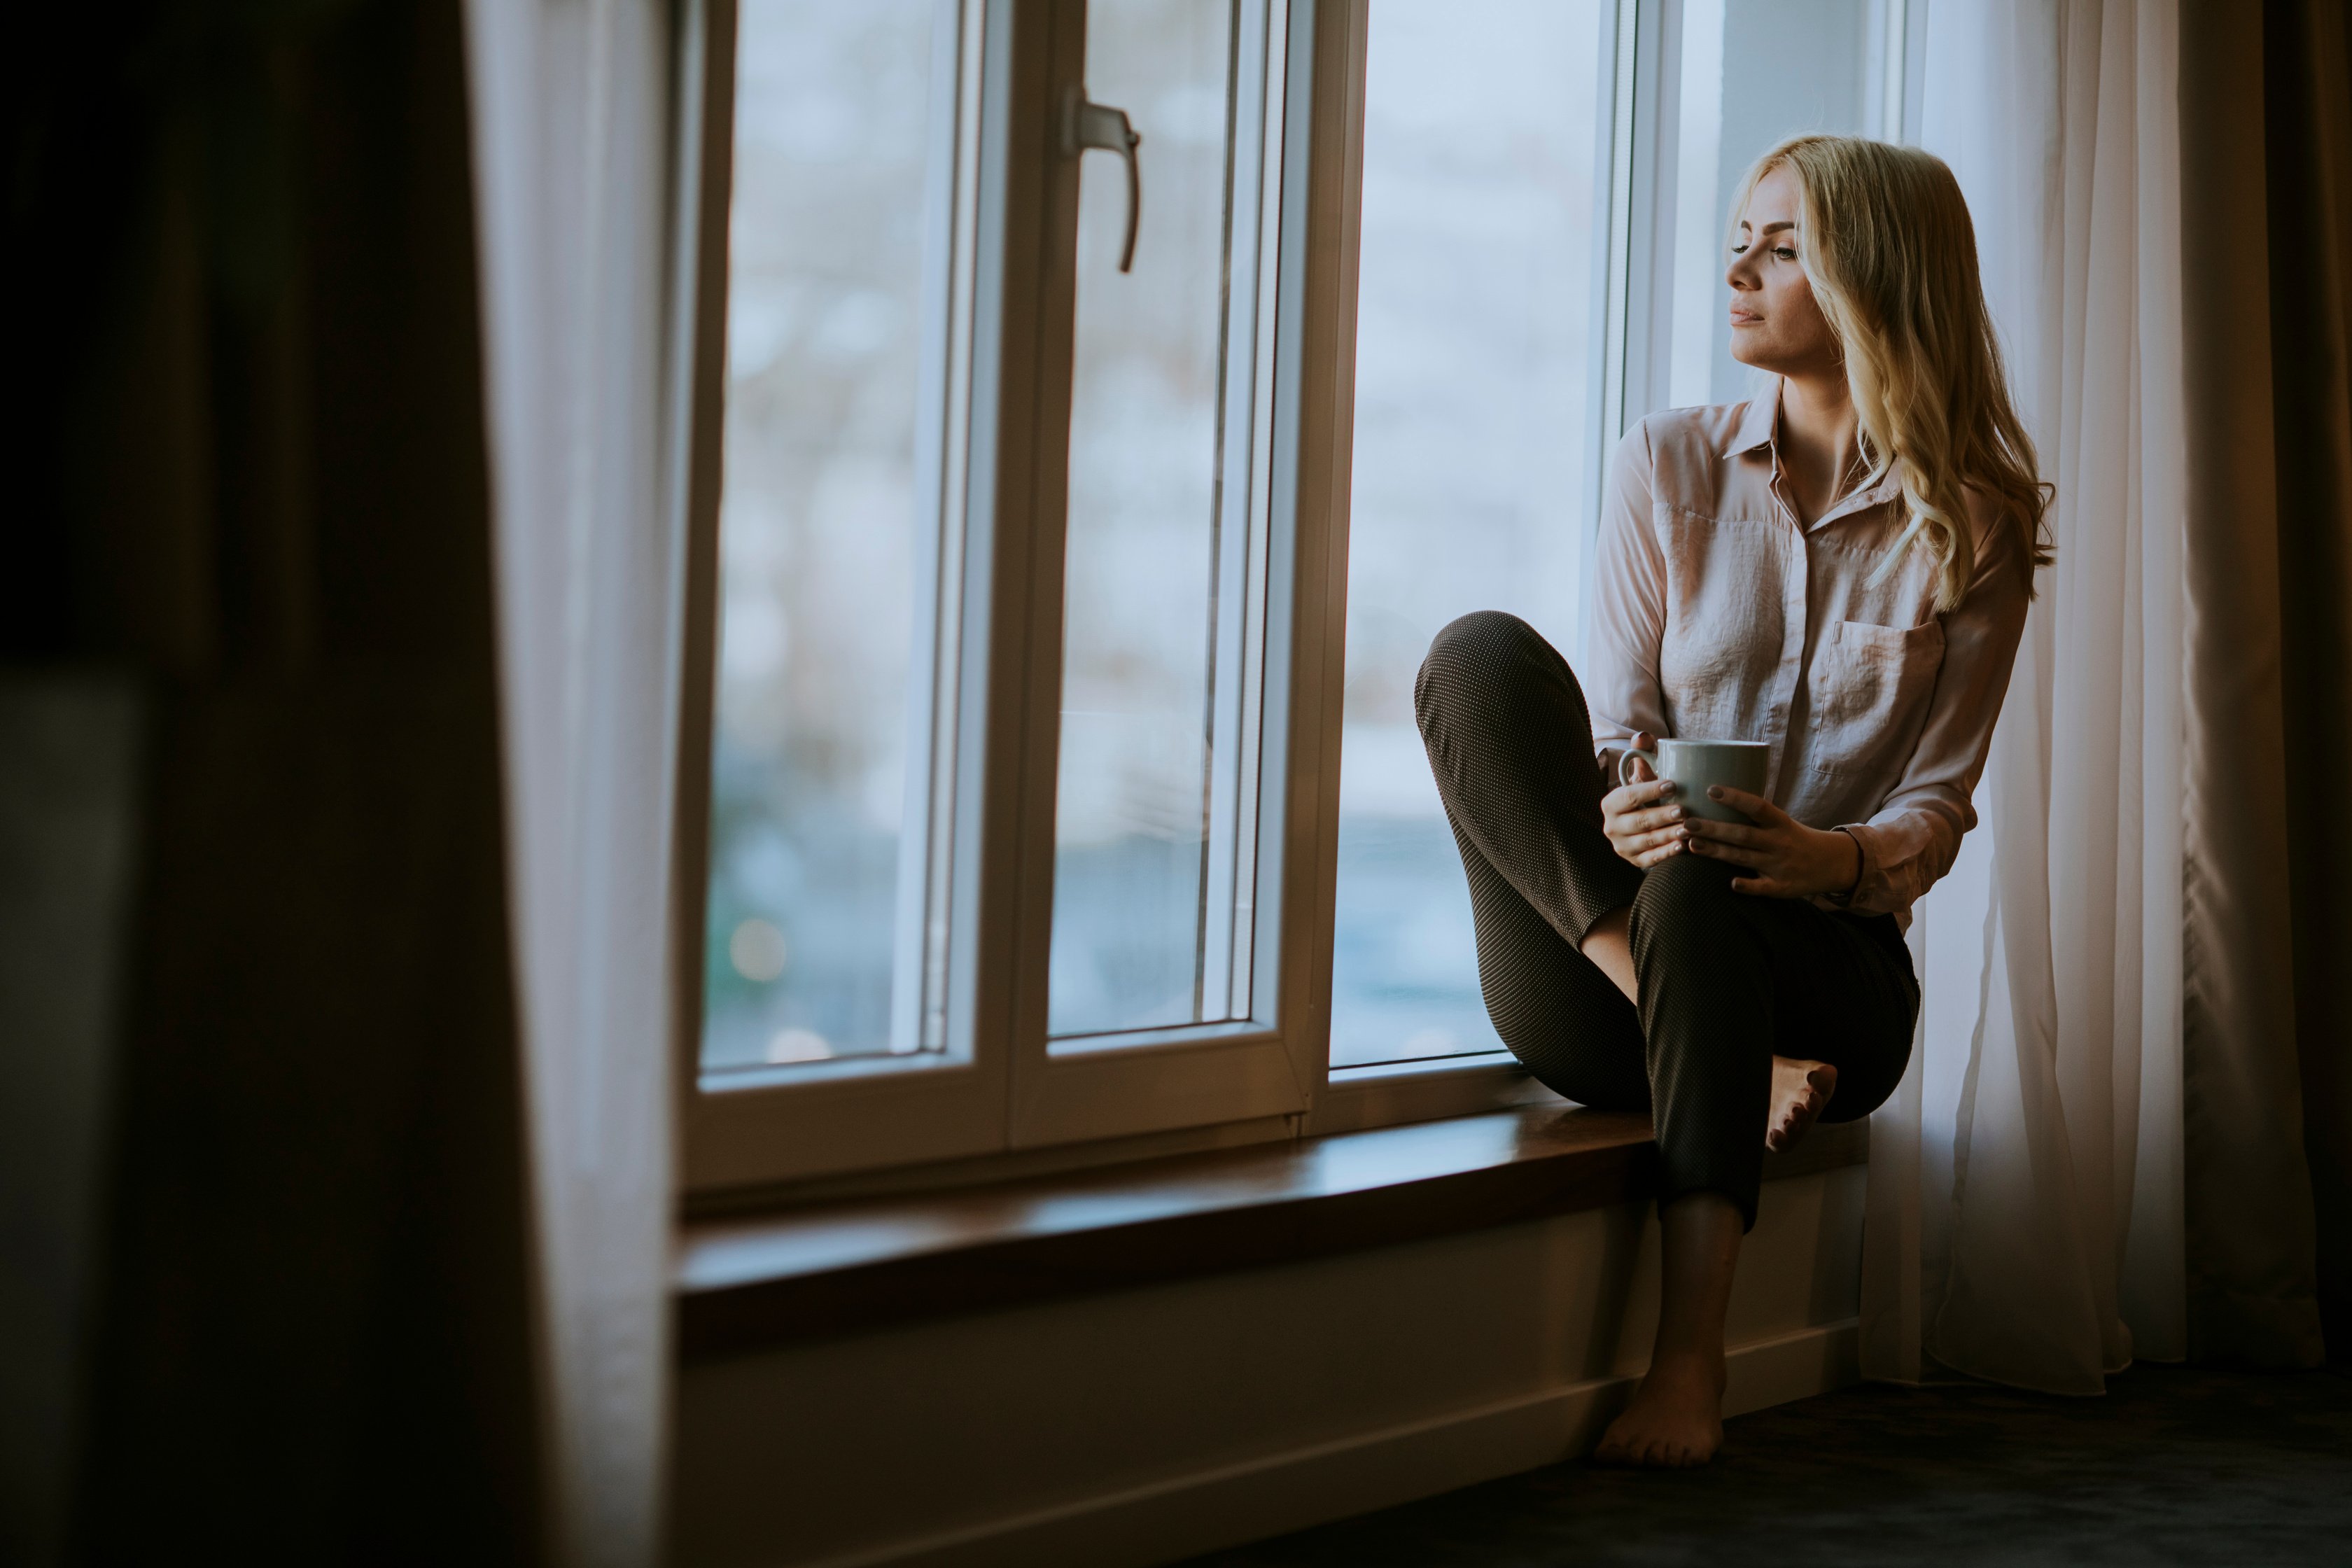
(1087, 125)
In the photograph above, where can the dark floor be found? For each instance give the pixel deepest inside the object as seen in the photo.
(2174, 1466)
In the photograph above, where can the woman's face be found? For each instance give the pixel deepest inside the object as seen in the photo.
(1775, 323)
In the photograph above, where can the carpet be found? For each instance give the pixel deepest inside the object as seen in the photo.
(2174, 1466)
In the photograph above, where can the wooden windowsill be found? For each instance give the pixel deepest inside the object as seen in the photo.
(746, 1284)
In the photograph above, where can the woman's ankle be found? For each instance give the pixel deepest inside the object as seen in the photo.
(1609, 944)
(1690, 1364)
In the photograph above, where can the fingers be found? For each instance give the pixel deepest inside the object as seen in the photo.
(1649, 849)
(1731, 833)
(1642, 741)
(1650, 821)
(1765, 813)
(1634, 797)
(1763, 887)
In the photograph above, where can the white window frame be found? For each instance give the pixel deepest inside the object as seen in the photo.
(1003, 1090)
(1112, 1085)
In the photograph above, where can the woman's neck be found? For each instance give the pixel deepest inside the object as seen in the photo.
(1818, 446)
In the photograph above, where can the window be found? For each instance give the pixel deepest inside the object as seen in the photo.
(1003, 593)
(1733, 78)
(1163, 665)
(839, 533)
(1486, 211)
(1488, 392)
(1057, 620)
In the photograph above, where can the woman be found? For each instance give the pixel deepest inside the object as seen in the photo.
(1840, 568)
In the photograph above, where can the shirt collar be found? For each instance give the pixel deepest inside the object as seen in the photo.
(1759, 425)
(1760, 430)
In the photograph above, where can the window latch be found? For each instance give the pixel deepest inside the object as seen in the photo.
(1087, 125)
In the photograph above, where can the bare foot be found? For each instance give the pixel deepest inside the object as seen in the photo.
(1675, 1420)
(1801, 1092)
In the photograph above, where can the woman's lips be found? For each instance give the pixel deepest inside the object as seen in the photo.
(1745, 318)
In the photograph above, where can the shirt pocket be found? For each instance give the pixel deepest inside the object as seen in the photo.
(1871, 688)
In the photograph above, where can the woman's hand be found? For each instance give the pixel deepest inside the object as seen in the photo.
(1641, 819)
(1784, 858)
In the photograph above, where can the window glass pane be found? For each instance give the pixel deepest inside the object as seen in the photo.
(1484, 204)
(1162, 637)
(1752, 73)
(835, 531)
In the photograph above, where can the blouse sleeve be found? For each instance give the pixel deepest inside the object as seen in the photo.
(1912, 839)
(1620, 667)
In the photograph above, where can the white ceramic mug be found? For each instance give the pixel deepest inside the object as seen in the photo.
(1695, 766)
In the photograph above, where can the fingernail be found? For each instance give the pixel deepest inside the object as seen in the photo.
(1715, 792)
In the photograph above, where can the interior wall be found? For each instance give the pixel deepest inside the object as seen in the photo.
(1150, 1424)
(70, 799)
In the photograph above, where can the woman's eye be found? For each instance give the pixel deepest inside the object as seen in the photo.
(1785, 254)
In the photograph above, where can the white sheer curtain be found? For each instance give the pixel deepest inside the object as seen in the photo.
(2025, 1218)
(572, 163)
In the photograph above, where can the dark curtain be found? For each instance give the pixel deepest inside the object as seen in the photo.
(246, 445)
(2266, 128)
(2307, 125)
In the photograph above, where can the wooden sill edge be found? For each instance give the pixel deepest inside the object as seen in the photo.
(746, 1285)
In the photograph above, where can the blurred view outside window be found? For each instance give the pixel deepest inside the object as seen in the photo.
(1477, 443)
(834, 536)
(1486, 189)
(1753, 72)
(1162, 651)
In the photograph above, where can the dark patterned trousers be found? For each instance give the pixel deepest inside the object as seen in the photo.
(1726, 980)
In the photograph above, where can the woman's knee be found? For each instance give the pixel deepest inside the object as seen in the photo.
(1467, 655)
(1686, 897)
(1482, 632)
(1477, 642)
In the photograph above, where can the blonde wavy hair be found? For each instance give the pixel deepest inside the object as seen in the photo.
(1886, 239)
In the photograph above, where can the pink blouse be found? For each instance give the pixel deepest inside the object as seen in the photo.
(1716, 616)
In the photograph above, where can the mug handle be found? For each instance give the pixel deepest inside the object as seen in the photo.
(1626, 756)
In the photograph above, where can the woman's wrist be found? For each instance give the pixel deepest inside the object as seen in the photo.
(1849, 881)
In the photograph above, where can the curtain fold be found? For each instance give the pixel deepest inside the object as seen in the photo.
(2308, 91)
(575, 161)
(246, 455)
(2026, 1220)
(2266, 106)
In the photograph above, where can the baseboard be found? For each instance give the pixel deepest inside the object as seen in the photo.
(1174, 1519)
